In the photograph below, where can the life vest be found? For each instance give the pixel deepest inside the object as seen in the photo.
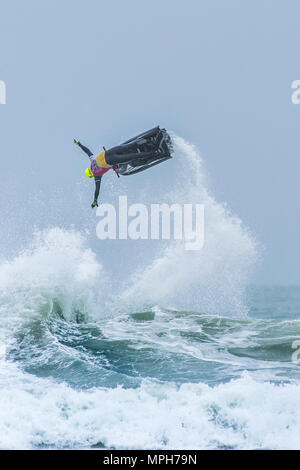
(99, 165)
(101, 161)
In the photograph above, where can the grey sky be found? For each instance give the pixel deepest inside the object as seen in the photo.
(216, 72)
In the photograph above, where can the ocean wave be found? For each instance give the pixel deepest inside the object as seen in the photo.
(243, 414)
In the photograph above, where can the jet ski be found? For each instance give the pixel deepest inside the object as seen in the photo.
(155, 139)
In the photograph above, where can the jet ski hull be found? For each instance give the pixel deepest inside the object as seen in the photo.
(155, 139)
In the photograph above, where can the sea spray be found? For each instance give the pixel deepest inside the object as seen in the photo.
(211, 280)
(57, 266)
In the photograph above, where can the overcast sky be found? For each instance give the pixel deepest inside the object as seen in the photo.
(216, 72)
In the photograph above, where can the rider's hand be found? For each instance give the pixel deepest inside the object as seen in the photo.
(94, 204)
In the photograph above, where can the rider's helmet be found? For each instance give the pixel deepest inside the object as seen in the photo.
(89, 173)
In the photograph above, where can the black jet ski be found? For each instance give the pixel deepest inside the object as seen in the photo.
(155, 139)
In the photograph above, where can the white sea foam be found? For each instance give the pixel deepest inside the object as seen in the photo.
(242, 414)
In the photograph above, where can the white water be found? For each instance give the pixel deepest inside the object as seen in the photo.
(243, 413)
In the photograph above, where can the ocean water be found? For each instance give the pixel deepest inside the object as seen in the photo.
(185, 354)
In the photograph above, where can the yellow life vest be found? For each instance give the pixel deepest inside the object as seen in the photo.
(100, 160)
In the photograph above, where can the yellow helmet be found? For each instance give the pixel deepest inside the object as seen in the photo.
(89, 173)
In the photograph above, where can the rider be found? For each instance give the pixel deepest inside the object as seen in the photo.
(109, 159)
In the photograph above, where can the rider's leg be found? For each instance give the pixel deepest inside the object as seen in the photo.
(113, 158)
(120, 149)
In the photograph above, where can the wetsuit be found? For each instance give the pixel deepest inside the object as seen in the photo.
(118, 155)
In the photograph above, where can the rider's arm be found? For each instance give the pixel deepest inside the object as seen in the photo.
(97, 190)
(85, 149)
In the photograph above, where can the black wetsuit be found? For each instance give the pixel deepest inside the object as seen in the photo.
(117, 155)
